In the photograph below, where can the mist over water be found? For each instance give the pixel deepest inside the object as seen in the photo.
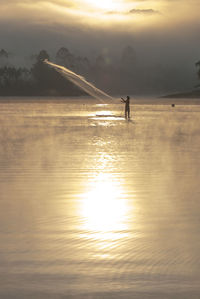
(81, 82)
(99, 207)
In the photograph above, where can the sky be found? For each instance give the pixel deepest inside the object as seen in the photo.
(165, 30)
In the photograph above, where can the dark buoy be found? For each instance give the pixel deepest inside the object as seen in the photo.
(173, 105)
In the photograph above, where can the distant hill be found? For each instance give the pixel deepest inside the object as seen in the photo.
(190, 95)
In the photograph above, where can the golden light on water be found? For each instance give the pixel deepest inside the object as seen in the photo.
(104, 211)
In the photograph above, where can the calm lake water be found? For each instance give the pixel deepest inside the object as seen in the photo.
(94, 206)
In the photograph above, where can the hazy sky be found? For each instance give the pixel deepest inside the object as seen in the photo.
(169, 28)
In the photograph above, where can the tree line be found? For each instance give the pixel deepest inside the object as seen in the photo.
(39, 80)
(124, 75)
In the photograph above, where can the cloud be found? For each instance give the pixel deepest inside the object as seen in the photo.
(135, 11)
(65, 3)
(143, 11)
(160, 34)
(44, 12)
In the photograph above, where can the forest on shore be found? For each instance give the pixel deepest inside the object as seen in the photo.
(124, 77)
(39, 80)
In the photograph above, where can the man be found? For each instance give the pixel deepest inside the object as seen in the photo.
(127, 106)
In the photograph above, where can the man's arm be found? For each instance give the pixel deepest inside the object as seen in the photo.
(123, 100)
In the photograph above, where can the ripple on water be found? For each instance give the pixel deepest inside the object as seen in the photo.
(93, 206)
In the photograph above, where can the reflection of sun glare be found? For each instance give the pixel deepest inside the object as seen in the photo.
(104, 113)
(104, 210)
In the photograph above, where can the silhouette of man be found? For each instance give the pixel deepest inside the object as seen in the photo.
(127, 106)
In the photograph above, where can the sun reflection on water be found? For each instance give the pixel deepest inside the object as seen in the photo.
(104, 211)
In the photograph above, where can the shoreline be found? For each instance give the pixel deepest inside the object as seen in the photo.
(194, 94)
(84, 100)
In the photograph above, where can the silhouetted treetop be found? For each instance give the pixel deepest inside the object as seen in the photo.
(198, 65)
(3, 54)
(62, 53)
(80, 65)
(42, 56)
(65, 58)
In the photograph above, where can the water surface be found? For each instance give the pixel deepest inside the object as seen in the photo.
(94, 206)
